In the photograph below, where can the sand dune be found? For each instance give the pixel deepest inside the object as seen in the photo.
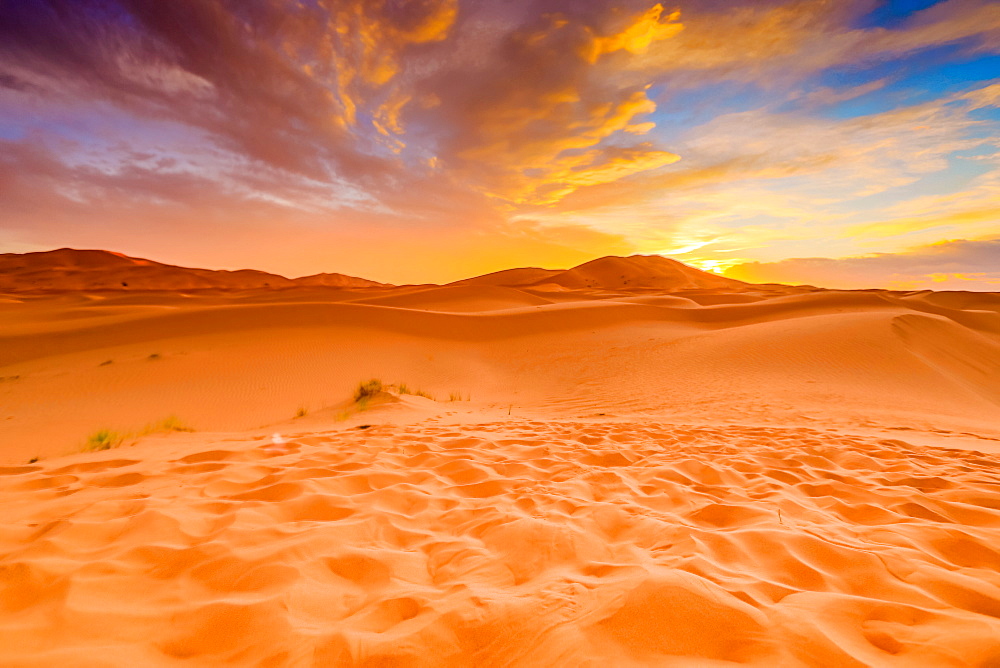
(257, 358)
(639, 271)
(701, 473)
(511, 277)
(459, 298)
(69, 269)
(335, 281)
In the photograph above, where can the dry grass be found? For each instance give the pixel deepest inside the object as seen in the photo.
(168, 424)
(368, 389)
(103, 439)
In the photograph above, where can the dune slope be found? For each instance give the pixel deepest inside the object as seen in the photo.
(73, 365)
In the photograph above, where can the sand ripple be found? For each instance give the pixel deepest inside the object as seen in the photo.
(516, 543)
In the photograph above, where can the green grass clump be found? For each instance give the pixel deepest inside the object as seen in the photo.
(367, 390)
(103, 439)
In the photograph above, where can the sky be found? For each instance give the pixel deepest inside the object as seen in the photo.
(839, 143)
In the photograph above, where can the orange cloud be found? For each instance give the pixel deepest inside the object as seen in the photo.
(535, 139)
(637, 37)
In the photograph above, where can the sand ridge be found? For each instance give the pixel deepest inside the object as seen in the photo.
(69, 269)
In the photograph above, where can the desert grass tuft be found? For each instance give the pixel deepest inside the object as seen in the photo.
(167, 424)
(103, 439)
(367, 390)
(301, 412)
(406, 389)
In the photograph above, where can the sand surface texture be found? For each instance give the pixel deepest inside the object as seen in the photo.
(673, 471)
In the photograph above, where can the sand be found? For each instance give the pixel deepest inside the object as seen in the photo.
(696, 475)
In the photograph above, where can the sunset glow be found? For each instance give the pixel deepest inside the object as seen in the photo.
(843, 144)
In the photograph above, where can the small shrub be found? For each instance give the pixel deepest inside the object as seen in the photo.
(154, 357)
(33, 459)
(421, 393)
(404, 389)
(455, 396)
(367, 390)
(103, 439)
(301, 412)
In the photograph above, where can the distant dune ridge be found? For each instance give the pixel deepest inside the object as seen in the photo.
(612, 273)
(68, 269)
(628, 463)
(639, 271)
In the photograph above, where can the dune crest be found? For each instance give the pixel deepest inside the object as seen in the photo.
(68, 269)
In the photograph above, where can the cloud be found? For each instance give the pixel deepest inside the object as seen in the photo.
(328, 86)
(279, 82)
(543, 111)
(763, 183)
(770, 42)
(561, 126)
(955, 265)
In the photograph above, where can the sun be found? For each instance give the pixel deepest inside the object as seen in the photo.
(715, 266)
